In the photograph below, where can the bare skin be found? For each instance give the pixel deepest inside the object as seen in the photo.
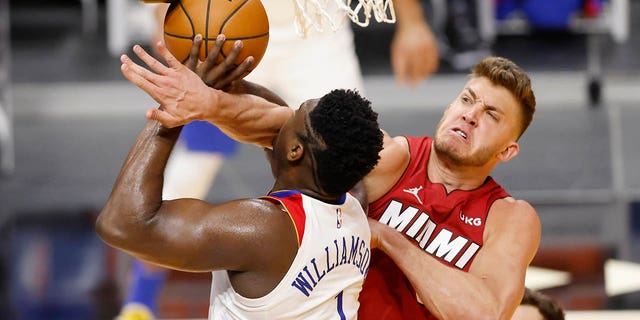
(478, 130)
(414, 50)
(475, 134)
(199, 236)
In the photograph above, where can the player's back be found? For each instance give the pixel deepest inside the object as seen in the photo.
(325, 277)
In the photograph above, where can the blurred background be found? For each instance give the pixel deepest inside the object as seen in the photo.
(68, 118)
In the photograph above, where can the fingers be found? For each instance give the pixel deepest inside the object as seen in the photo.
(400, 67)
(233, 54)
(140, 70)
(226, 72)
(192, 61)
(139, 76)
(163, 117)
(210, 61)
(237, 73)
(167, 56)
(154, 64)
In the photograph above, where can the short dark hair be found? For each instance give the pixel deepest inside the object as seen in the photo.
(548, 308)
(504, 72)
(348, 127)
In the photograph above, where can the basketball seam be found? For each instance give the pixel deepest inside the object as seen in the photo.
(193, 28)
(250, 37)
(233, 38)
(222, 53)
(178, 36)
(231, 15)
(206, 30)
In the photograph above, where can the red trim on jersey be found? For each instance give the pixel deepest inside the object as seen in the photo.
(291, 201)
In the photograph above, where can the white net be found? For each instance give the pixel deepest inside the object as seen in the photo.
(320, 14)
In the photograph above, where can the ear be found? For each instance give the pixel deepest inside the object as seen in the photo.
(296, 151)
(509, 152)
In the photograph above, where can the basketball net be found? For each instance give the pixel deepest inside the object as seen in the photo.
(317, 14)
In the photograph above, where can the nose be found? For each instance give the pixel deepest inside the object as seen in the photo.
(470, 116)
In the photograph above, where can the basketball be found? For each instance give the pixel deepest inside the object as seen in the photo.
(244, 20)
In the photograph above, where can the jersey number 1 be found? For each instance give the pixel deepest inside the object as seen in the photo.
(340, 310)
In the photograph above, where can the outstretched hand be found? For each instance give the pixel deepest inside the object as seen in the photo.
(183, 94)
(414, 53)
(219, 75)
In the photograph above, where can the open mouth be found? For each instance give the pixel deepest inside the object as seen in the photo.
(460, 133)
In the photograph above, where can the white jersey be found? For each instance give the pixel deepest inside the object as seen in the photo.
(326, 276)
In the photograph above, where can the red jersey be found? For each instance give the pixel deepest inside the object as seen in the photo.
(448, 227)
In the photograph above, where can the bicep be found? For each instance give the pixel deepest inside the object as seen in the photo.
(512, 241)
(193, 235)
(394, 158)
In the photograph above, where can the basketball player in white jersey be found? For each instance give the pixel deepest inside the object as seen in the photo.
(301, 251)
(284, 69)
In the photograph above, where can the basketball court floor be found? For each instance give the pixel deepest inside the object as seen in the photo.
(74, 118)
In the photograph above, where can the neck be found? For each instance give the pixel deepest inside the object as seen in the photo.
(452, 177)
(309, 189)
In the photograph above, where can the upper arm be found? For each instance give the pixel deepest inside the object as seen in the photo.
(192, 235)
(394, 158)
(512, 236)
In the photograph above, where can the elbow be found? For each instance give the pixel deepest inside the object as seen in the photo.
(114, 230)
(107, 229)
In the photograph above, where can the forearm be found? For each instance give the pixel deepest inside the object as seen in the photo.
(409, 12)
(244, 86)
(137, 192)
(446, 292)
(248, 118)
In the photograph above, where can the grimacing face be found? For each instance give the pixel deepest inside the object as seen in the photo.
(479, 125)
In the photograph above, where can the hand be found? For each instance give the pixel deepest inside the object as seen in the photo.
(376, 231)
(180, 92)
(414, 53)
(219, 75)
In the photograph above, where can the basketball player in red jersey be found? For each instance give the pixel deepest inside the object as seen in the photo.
(454, 244)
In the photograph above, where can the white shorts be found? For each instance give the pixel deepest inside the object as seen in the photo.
(298, 69)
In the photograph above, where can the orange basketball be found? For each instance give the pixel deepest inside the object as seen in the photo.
(244, 20)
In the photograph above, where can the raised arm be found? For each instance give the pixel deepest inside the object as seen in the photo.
(494, 285)
(247, 117)
(185, 234)
(414, 51)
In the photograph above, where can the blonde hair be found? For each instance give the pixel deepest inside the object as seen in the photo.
(504, 72)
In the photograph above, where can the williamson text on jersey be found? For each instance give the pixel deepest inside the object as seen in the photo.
(350, 251)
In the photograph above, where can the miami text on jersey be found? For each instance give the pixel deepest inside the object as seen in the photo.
(353, 251)
(422, 228)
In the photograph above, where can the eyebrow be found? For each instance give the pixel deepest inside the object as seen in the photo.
(490, 107)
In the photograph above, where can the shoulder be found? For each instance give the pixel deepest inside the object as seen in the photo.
(261, 217)
(265, 221)
(394, 159)
(516, 208)
(511, 216)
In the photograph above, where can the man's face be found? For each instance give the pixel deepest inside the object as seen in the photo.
(288, 134)
(478, 125)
